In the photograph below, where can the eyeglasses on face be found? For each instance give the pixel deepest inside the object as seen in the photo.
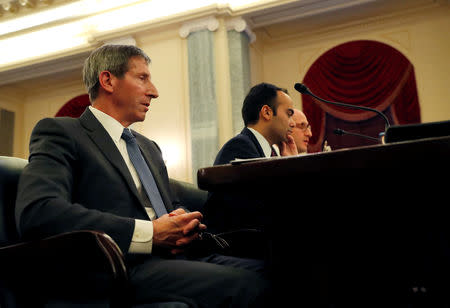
(303, 126)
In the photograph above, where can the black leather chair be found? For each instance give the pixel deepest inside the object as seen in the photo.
(189, 195)
(75, 269)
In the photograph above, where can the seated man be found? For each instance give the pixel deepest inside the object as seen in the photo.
(95, 173)
(301, 131)
(267, 112)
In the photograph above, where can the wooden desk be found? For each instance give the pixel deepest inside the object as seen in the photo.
(368, 223)
(388, 158)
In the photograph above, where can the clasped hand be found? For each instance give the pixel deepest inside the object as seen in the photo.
(177, 229)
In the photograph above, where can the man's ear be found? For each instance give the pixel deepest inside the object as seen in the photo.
(105, 80)
(266, 113)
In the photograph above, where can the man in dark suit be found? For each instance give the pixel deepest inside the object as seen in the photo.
(267, 113)
(88, 173)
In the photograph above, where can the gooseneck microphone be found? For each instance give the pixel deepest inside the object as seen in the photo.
(341, 132)
(304, 90)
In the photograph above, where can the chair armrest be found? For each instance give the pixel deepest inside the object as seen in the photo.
(82, 262)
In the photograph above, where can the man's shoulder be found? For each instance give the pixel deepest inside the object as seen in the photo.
(65, 122)
(240, 138)
(61, 120)
(240, 146)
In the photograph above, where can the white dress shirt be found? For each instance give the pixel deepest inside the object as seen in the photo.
(142, 239)
(265, 145)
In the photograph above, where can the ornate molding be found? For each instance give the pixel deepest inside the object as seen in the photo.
(15, 6)
(211, 23)
(238, 24)
(10, 6)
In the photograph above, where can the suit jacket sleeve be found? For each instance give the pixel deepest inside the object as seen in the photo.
(45, 204)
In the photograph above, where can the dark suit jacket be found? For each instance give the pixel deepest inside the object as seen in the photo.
(77, 179)
(243, 145)
(233, 210)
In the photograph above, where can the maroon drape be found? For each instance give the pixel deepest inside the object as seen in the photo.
(74, 107)
(364, 73)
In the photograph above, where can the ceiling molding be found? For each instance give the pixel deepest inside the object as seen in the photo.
(263, 18)
(43, 68)
(298, 9)
(306, 30)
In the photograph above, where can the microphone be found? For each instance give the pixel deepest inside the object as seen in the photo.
(304, 90)
(341, 132)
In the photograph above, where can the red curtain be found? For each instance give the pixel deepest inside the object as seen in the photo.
(364, 73)
(74, 107)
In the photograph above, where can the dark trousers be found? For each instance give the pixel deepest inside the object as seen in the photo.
(212, 281)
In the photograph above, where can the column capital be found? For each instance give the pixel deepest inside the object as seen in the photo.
(211, 23)
(239, 24)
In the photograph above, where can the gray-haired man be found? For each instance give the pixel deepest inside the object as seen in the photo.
(82, 175)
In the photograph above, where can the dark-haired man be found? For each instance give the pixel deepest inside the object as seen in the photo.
(267, 113)
(95, 173)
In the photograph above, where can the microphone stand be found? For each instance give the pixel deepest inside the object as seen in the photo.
(304, 90)
(341, 132)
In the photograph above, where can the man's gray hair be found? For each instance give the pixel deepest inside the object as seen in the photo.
(111, 58)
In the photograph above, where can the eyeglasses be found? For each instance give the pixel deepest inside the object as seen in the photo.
(303, 126)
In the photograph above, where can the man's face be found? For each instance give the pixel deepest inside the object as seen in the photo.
(133, 92)
(301, 132)
(282, 123)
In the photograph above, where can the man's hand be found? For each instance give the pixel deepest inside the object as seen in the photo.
(177, 229)
(288, 148)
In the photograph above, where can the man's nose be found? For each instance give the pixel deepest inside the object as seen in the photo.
(152, 91)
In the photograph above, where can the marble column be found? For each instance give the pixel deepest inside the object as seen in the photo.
(202, 92)
(239, 38)
(219, 79)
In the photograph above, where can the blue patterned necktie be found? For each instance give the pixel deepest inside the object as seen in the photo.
(144, 173)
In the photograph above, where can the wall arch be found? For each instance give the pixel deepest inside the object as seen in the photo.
(366, 73)
(74, 107)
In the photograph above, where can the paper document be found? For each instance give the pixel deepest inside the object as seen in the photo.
(238, 161)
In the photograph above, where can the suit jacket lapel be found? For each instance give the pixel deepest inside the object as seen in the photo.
(252, 137)
(106, 145)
